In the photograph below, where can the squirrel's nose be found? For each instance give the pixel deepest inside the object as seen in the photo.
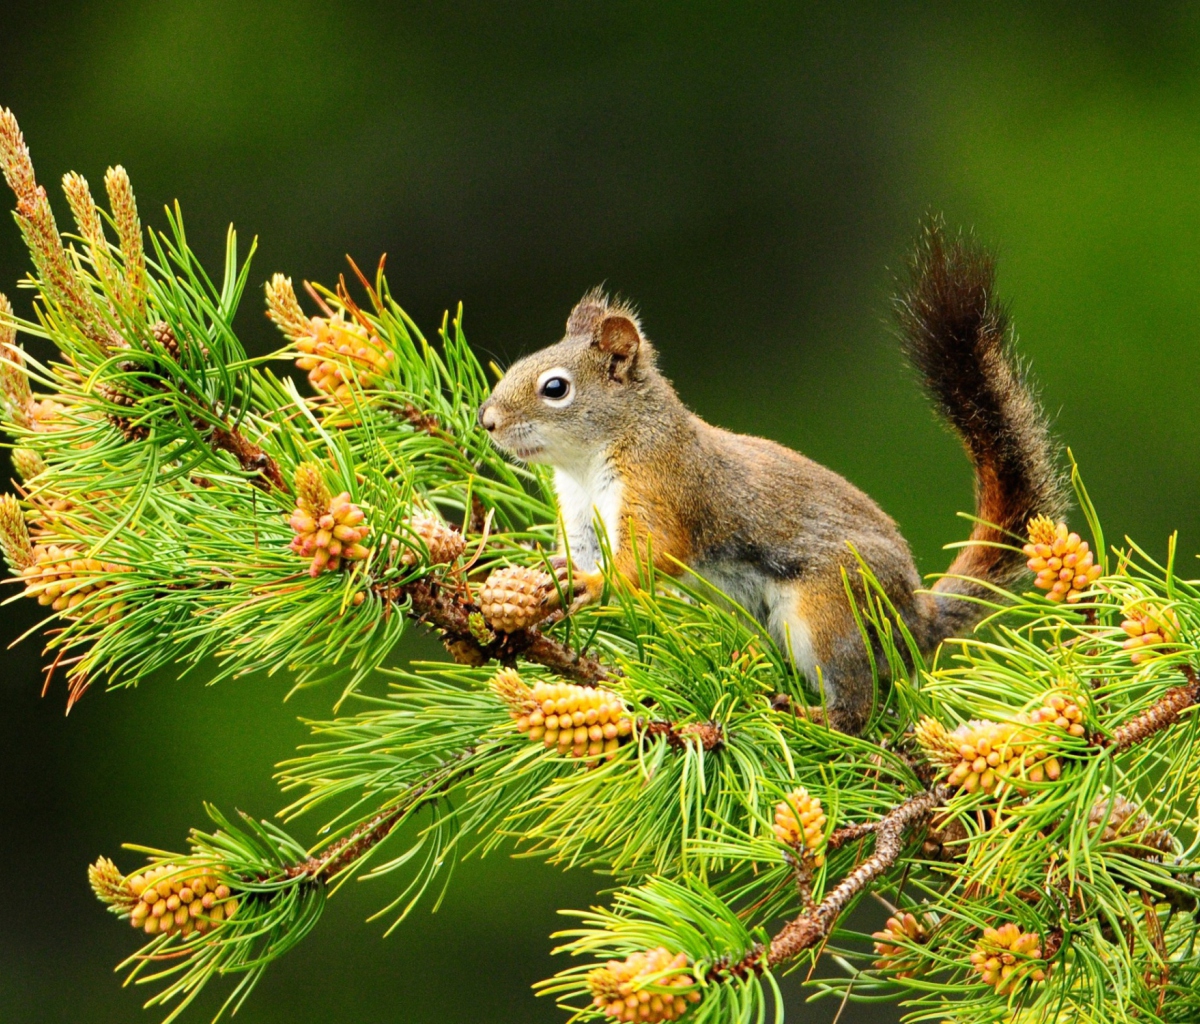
(487, 416)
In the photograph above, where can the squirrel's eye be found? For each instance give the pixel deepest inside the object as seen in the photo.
(555, 388)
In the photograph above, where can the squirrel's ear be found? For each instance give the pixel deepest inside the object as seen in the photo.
(618, 337)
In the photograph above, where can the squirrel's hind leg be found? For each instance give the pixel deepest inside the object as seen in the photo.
(812, 622)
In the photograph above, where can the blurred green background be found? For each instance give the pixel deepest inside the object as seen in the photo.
(752, 175)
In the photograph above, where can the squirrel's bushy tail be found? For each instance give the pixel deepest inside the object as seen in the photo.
(958, 337)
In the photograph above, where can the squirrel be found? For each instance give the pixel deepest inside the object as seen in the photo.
(767, 526)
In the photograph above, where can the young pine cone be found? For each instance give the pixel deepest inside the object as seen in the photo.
(581, 721)
(443, 542)
(1148, 626)
(894, 944)
(616, 987)
(800, 823)
(1064, 565)
(58, 577)
(165, 899)
(516, 598)
(1006, 956)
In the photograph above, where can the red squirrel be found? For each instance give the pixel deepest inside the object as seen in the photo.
(770, 528)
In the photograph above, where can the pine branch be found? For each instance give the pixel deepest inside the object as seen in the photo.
(449, 612)
(813, 925)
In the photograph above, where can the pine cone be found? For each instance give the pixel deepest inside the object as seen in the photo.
(1123, 819)
(1007, 956)
(1063, 563)
(172, 899)
(58, 577)
(800, 823)
(894, 944)
(617, 987)
(944, 839)
(443, 542)
(516, 598)
(581, 721)
(464, 652)
(165, 336)
(1148, 626)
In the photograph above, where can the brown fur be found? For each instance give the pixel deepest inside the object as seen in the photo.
(770, 527)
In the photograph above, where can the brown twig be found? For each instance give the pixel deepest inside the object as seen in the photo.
(346, 851)
(813, 925)
(1162, 713)
(249, 455)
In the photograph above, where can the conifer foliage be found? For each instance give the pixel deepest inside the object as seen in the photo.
(1026, 806)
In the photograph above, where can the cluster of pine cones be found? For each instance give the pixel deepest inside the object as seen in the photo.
(1063, 564)
(58, 577)
(982, 754)
(800, 823)
(580, 721)
(1007, 956)
(172, 900)
(616, 989)
(894, 944)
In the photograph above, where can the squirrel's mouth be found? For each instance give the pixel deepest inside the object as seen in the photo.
(526, 454)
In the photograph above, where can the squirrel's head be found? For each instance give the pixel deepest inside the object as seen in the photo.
(563, 404)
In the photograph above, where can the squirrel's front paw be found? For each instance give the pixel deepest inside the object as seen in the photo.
(582, 588)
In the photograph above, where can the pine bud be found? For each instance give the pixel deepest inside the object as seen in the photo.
(895, 942)
(1063, 564)
(167, 899)
(14, 535)
(61, 578)
(480, 631)
(28, 463)
(328, 530)
(283, 308)
(580, 721)
(15, 396)
(1148, 626)
(1007, 956)
(129, 235)
(312, 494)
(111, 887)
(443, 543)
(631, 990)
(516, 598)
(800, 823)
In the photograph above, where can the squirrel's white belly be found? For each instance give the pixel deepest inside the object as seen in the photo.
(773, 602)
(592, 493)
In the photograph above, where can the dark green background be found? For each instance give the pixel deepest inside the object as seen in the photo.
(751, 175)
